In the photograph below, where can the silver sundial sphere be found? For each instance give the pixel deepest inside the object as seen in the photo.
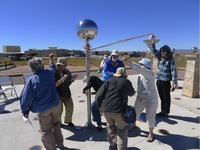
(195, 50)
(87, 30)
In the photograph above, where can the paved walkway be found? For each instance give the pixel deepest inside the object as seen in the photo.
(182, 125)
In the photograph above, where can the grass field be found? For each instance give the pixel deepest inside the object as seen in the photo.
(181, 60)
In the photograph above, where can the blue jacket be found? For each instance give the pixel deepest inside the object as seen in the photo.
(109, 69)
(39, 93)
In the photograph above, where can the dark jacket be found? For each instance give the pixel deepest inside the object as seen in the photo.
(63, 89)
(94, 82)
(113, 95)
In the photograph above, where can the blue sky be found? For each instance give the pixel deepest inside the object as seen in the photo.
(42, 23)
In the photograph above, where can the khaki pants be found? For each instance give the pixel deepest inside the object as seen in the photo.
(50, 127)
(117, 130)
(69, 108)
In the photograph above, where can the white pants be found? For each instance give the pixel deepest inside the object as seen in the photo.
(151, 108)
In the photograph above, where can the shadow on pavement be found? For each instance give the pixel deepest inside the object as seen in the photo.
(135, 132)
(133, 148)
(169, 120)
(86, 134)
(8, 102)
(165, 119)
(188, 119)
(177, 142)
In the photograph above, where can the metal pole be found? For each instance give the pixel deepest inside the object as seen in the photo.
(87, 47)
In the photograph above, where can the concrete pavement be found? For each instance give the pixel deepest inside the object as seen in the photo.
(182, 125)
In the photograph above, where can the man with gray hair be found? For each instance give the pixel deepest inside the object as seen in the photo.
(40, 96)
(111, 64)
(112, 100)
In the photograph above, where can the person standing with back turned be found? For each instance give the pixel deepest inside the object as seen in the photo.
(146, 93)
(112, 100)
(40, 96)
(166, 73)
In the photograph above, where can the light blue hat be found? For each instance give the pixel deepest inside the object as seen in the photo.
(146, 62)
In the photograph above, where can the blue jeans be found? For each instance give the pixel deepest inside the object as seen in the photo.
(95, 113)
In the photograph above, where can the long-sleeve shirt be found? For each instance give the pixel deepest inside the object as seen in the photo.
(112, 96)
(64, 88)
(146, 89)
(39, 93)
(167, 70)
(94, 82)
(109, 69)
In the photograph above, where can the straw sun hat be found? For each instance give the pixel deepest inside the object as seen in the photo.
(121, 71)
(115, 53)
(62, 61)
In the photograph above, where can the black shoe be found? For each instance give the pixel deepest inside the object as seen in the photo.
(99, 128)
(113, 147)
(70, 124)
(60, 147)
(94, 120)
(104, 124)
(161, 114)
(62, 125)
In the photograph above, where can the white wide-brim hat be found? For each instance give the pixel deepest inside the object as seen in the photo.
(152, 40)
(146, 62)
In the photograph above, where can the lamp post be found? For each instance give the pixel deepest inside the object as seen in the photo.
(87, 30)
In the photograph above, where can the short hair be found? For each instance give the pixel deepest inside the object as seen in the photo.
(36, 64)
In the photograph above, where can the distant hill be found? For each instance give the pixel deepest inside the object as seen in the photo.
(183, 51)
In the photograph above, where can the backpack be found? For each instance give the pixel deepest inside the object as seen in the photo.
(130, 115)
